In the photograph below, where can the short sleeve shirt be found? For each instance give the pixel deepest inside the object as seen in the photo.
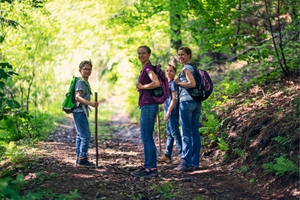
(86, 94)
(145, 98)
(173, 87)
(183, 93)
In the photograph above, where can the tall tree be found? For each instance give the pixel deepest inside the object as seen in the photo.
(175, 23)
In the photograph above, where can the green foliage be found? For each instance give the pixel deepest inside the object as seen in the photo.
(19, 123)
(242, 169)
(137, 196)
(222, 144)
(7, 104)
(24, 126)
(210, 126)
(240, 153)
(282, 140)
(14, 147)
(228, 86)
(252, 180)
(13, 152)
(166, 190)
(200, 198)
(280, 166)
(11, 189)
(27, 53)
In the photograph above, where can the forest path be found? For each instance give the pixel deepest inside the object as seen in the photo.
(121, 152)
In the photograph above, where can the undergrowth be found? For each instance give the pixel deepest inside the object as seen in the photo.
(11, 189)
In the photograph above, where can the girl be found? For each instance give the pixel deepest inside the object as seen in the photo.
(171, 116)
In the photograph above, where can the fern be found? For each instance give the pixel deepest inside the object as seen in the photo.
(281, 140)
(222, 144)
(13, 152)
(281, 166)
(211, 125)
(240, 153)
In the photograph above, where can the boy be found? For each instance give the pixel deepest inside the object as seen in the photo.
(80, 114)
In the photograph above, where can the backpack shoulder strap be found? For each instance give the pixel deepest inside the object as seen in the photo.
(87, 88)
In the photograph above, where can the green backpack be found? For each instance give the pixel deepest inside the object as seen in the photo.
(69, 102)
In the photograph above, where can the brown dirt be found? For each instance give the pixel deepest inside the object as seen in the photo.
(121, 152)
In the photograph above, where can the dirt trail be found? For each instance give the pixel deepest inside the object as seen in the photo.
(121, 152)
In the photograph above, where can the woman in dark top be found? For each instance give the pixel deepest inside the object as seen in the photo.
(149, 108)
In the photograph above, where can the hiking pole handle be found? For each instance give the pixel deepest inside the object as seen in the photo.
(96, 128)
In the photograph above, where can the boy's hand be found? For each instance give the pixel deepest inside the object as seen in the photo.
(94, 104)
(166, 116)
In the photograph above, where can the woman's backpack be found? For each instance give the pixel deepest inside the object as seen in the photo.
(161, 93)
(204, 86)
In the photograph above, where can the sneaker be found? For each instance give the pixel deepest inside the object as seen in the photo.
(195, 168)
(164, 158)
(144, 173)
(83, 162)
(154, 173)
(183, 168)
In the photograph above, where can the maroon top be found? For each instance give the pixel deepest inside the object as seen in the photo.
(145, 97)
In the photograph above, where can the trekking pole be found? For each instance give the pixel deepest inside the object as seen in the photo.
(96, 128)
(158, 131)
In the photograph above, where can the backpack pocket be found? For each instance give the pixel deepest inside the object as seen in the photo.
(157, 92)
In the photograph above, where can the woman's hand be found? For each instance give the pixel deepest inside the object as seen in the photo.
(139, 86)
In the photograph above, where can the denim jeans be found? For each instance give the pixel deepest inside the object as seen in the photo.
(83, 134)
(191, 141)
(173, 134)
(147, 120)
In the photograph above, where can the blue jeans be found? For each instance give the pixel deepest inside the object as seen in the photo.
(147, 120)
(189, 112)
(83, 134)
(173, 134)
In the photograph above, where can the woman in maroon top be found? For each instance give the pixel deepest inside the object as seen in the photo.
(149, 108)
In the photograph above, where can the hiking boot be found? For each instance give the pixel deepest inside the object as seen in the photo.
(164, 158)
(177, 160)
(83, 162)
(144, 173)
(195, 168)
(183, 168)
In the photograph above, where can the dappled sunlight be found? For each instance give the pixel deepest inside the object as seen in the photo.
(250, 49)
(30, 176)
(116, 152)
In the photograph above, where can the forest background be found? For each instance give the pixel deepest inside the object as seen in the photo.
(243, 44)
